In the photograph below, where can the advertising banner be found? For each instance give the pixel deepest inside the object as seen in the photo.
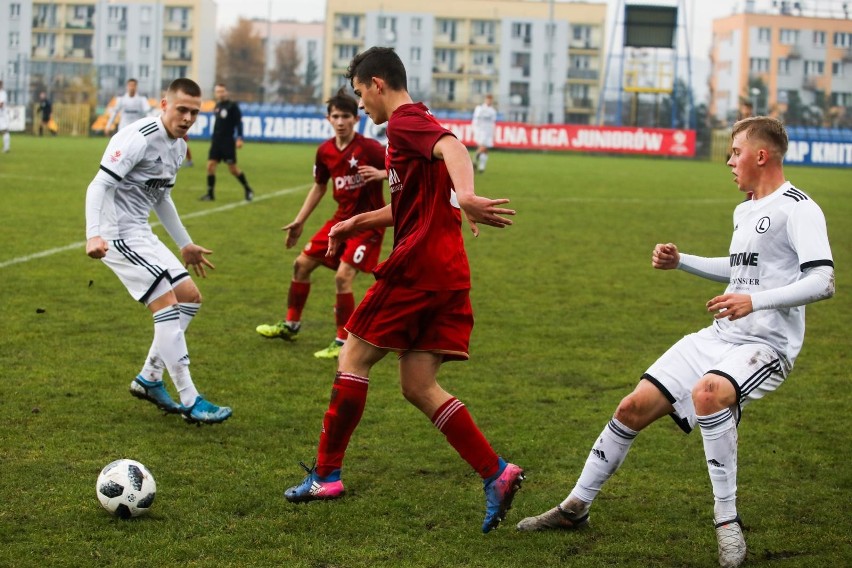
(508, 135)
(810, 152)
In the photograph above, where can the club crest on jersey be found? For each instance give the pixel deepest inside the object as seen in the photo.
(762, 225)
(353, 162)
(115, 156)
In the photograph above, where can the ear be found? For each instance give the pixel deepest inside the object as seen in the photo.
(163, 104)
(762, 157)
(379, 83)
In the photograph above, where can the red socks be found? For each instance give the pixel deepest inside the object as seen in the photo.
(342, 311)
(455, 422)
(348, 398)
(297, 297)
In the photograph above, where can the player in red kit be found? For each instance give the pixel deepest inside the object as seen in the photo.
(419, 306)
(355, 165)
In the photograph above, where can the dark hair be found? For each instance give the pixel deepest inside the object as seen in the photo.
(342, 101)
(132, 80)
(184, 85)
(382, 62)
(766, 129)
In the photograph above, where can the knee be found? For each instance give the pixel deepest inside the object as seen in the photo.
(711, 394)
(629, 410)
(342, 282)
(192, 295)
(301, 269)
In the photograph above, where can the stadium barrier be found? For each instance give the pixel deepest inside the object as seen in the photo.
(313, 127)
(70, 119)
(808, 146)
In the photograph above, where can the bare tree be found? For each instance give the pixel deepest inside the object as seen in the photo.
(292, 87)
(240, 60)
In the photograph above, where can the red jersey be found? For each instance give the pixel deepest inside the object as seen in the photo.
(428, 248)
(352, 194)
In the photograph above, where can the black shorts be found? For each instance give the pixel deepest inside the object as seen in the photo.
(223, 151)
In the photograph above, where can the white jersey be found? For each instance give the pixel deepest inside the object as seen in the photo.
(131, 109)
(144, 162)
(484, 121)
(775, 239)
(4, 114)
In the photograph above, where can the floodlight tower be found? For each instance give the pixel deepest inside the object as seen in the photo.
(650, 54)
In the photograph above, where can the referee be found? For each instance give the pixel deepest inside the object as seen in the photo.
(227, 137)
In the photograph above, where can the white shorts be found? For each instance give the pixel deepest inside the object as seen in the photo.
(142, 263)
(754, 370)
(4, 121)
(483, 138)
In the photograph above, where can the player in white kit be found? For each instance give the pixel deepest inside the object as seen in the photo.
(136, 175)
(779, 261)
(131, 106)
(484, 122)
(4, 118)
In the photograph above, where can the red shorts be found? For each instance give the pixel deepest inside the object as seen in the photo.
(361, 250)
(402, 319)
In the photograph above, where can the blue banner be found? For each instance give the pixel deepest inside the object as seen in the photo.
(280, 127)
(810, 152)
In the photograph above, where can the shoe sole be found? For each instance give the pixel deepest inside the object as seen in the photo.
(506, 504)
(197, 422)
(283, 336)
(310, 498)
(145, 397)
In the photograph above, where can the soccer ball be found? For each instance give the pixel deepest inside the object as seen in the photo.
(126, 488)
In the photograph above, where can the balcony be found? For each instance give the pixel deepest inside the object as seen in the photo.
(847, 56)
(794, 53)
(585, 74)
(178, 26)
(80, 24)
(178, 55)
(41, 51)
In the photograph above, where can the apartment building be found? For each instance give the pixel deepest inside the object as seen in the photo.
(105, 42)
(800, 50)
(542, 61)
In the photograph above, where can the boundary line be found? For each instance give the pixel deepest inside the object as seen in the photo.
(193, 215)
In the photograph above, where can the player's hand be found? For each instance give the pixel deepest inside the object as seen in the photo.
(731, 306)
(295, 231)
(369, 173)
(338, 235)
(193, 255)
(96, 247)
(239, 143)
(484, 210)
(665, 257)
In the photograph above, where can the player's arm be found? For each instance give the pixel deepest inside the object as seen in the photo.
(369, 173)
(477, 209)
(312, 199)
(96, 246)
(113, 113)
(368, 220)
(238, 119)
(666, 257)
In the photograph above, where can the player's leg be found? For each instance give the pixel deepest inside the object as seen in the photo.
(348, 399)
(213, 160)
(297, 295)
(241, 177)
(7, 140)
(482, 158)
(635, 411)
(344, 305)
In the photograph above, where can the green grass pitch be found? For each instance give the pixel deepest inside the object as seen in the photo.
(569, 313)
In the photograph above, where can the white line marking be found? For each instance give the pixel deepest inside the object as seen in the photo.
(193, 215)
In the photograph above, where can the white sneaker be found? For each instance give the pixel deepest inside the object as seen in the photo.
(732, 546)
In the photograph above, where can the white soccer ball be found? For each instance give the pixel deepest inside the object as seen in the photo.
(126, 488)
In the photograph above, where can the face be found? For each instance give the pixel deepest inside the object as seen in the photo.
(489, 100)
(343, 122)
(220, 93)
(370, 99)
(131, 88)
(179, 113)
(746, 159)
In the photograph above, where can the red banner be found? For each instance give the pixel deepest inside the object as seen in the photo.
(580, 138)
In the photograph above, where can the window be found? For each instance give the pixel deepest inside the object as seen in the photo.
(764, 35)
(789, 37)
(446, 89)
(837, 68)
(416, 25)
(144, 43)
(447, 28)
(483, 61)
(783, 66)
(814, 67)
(483, 29)
(114, 13)
(758, 65)
(14, 40)
(387, 28)
(144, 71)
(482, 86)
(841, 99)
(346, 52)
(415, 55)
(581, 33)
(145, 15)
(14, 11)
(842, 40)
(819, 39)
(522, 31)
(521, 61)
(115, 43)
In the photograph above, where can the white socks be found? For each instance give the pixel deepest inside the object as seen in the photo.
(153, 368)
(605, 458)
(719, 432)
(483, 159)
(6, 140)
(170, 345)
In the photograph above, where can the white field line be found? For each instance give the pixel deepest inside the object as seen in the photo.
(202, 213)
